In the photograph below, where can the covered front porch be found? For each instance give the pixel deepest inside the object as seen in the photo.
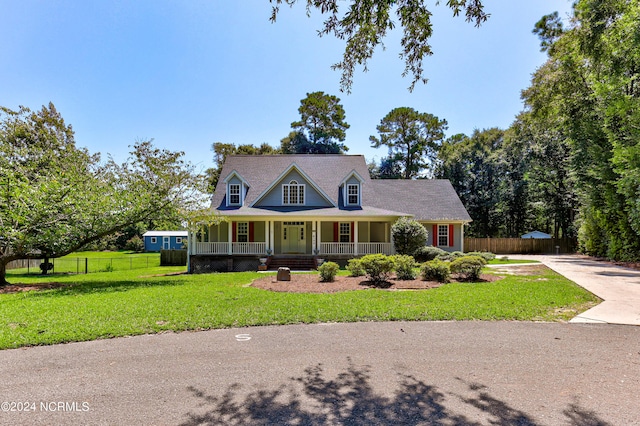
(305, 237)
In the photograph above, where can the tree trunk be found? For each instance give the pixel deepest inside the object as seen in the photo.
(45, 270)
(3, 273)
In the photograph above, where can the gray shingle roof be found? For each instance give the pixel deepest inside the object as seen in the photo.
(428, 200)
(425, 199)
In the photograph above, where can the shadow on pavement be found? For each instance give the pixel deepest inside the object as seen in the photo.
(349, 399)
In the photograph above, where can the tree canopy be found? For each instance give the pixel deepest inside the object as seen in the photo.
(413, 139)
(587, 94)
(321, 128)
(366, 23)
(57, 197)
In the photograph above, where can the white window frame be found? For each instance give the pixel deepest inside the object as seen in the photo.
(299, 197)
(178, 240)
(242, 230)
(351, 186)
(154, 240)
(341, 227)
(442, 235)
(232, 188)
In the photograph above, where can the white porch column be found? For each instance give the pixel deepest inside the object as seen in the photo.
(462, 237)
(230, 239)
(314, 235)
(266, 235)
(355, 238)
(319, 236)
(272, 229)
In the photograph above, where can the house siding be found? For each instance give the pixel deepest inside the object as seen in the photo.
(457, 234)
(312, 197)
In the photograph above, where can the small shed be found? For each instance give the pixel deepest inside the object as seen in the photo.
(537, 235)
(164, 240)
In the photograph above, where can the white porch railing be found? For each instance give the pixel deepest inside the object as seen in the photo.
(325, 248)
(236, 248)
(349, 248)
(373, 248)
(211, 248)
(336, 248)
(249, 248)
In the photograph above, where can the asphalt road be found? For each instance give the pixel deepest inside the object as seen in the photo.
(443, 373)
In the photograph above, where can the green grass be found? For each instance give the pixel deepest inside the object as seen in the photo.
(104, 305)
(100, 261)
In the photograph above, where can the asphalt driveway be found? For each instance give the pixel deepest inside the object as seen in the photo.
(442, 373)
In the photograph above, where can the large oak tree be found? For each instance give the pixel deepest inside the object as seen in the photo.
(56, 197)
(365, 24)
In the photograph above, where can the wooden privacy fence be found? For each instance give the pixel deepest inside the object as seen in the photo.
(173, 257)
(520, 245)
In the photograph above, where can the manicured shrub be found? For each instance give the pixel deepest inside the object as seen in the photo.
(354, 266)
(435, 270)
(405, 267)
(328, 271)
(408, 235)
(486, 255)
(468, 267)
(426, 253)
(448, 257)
(378, 267)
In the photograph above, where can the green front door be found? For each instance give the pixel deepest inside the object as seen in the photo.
(293, 238)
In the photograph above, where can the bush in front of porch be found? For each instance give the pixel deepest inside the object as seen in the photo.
(408, 236)
(378, 267)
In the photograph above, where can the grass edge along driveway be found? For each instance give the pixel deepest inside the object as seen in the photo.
(125, 303)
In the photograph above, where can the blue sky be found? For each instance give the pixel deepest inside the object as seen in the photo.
(190, 73)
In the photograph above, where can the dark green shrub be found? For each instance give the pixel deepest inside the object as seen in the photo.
(405, 267)
(328, 271)
(354, 266)
(378, 267)
(435, 270)
(426, 253)
(486, 255)
(468, 267)
(408, 235)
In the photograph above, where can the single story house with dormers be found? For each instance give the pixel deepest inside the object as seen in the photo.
(164, 240)
(310, 206)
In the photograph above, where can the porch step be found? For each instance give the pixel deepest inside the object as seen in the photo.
(295, 263)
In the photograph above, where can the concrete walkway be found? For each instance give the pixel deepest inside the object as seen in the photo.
(618, 287)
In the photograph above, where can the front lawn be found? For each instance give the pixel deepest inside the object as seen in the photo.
(121, 303)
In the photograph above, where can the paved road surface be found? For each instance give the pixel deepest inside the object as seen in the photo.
(444, 373)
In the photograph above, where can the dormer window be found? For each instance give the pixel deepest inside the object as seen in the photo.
(234, 194)
(353, 194)
(293, 193)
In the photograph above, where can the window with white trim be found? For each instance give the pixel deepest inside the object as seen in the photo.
(293, 193)
(242, 232)
(154, 240)
(345, 232)
(178, 240)
(234, 194)
(443, 235)
(353, 194)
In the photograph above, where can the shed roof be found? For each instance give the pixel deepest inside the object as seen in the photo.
(165, 234)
